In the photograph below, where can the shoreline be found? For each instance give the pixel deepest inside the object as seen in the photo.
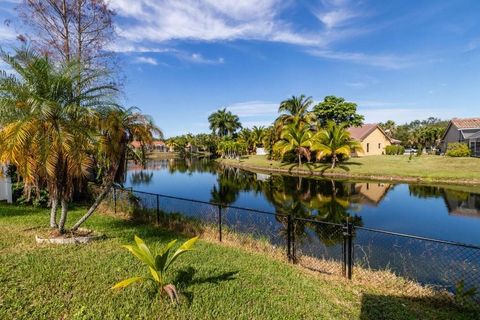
(356, 176)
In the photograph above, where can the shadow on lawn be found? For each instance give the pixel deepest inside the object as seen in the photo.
(186, 278)
(380, 307)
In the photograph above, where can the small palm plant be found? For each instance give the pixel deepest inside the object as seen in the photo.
(157, 264)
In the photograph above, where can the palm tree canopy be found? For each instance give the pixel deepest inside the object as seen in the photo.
(223, 122)
(334, 140)
(296, 110)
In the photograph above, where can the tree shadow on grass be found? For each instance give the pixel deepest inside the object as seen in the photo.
(186, 278)
(380, 307)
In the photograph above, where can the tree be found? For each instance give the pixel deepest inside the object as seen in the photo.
(47, 120)
(295, 110)
(223, 122)
(118, 127)
(338, 110)
(70, 30)
(258, 134)
(334, 140)
(297, 139)
(389, 127)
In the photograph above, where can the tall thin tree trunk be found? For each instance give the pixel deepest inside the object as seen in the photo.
(53, 213)
(94, 206)
(334, 160)
(63, 216)
(299, 161)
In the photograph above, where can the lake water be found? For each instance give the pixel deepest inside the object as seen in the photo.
(447, 213)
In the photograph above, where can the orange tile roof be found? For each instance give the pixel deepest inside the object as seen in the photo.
(360, 133)
(158, 143)
(467, 123)
(136, 144)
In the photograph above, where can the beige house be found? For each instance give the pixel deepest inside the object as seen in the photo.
(465, 131)
(372, 138)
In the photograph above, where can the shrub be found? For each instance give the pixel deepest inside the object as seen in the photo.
(394, 150)
(158, 264)
(458, 149)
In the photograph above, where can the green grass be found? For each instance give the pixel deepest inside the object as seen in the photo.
(424, 168)
(215, 282)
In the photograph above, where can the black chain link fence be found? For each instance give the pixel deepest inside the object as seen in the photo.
(317, 245)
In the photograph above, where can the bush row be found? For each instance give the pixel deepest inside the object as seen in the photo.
(394, 150)
(457, 149)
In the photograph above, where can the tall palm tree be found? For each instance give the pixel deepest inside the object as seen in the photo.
(223, 122)
(295, 138)
(296, 110)
(334, 140)
(258, 134)
(47, 120)
(118, 127)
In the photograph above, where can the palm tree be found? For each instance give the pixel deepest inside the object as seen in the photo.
(223, 122)
(295, 138)
(334, 141)
(258, 134)
(296, 110)
(118, 128)
(48, 116)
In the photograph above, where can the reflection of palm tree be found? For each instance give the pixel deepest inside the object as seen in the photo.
(141, 177)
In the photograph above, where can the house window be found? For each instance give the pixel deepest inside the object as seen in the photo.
(379, 146)
(368, 147)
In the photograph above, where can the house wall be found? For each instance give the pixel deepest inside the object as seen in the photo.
(370, 144)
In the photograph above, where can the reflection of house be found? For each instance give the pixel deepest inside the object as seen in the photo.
(370, 192)
(463, 130)
(466, 205)
(372, 138)
(191, 148)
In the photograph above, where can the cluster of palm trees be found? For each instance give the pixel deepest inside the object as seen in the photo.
(297, 131)
(224, 123)
(61, 128)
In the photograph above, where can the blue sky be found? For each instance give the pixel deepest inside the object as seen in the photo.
(400, 60)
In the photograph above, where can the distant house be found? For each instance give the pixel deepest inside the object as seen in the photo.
(372, 138)
(463, 130)
(159, 146)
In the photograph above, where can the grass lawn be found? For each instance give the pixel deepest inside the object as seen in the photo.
(424, 168)
(215, 282)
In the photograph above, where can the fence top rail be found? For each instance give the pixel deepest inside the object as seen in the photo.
(471, 246)
(200, 201)
(319, 222)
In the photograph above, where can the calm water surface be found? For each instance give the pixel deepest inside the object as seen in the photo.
(443, 213)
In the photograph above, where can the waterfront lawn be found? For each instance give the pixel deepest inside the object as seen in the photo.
(425, 167)
(215, 281)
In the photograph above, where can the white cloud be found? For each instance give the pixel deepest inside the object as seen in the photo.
(387, 61)
(7, 33)
(254, 108)
(146, 60)
(209, 20)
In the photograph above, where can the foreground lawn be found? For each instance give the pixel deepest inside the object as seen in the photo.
(425, 168)
(215, 282)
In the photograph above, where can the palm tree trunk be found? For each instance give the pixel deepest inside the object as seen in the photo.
(63, 216)
(299, 161)
(94, 206)
(53, 213)
(334, 160)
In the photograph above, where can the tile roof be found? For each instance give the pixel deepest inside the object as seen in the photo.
(158, 143)
(360, 133)
(467, 123)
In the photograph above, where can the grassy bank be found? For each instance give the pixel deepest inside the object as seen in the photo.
(398, 168)
(216, 281)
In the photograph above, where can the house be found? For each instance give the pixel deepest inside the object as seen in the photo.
(369, 193)
(159, 146)
(372, 138)
(463, 130)
(5, 185)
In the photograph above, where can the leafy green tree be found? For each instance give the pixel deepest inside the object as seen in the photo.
(389, 127)
(334, 141)
(338, 110)
(297, 139)
(295, 110)
(223, 122)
